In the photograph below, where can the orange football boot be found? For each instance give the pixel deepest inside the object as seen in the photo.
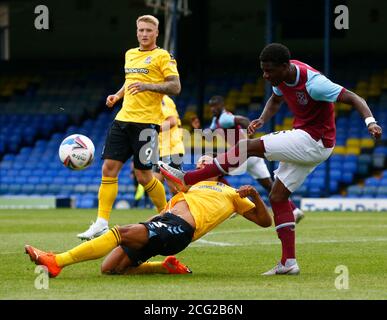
(175, 266)
(46, 259)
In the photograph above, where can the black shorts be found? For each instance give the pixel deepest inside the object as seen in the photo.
(174, 160)
(168, 235)
(123, 141)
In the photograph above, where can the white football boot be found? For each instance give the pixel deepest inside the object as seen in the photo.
(290, 268)
(298, 215)
(174, 175)
(95, 230)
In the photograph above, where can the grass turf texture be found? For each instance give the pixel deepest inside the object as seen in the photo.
(226, 264)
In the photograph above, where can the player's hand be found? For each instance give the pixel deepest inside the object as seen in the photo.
(246, 191)
(137, 87)
(111, 100)
(375, 131)
(254, 125)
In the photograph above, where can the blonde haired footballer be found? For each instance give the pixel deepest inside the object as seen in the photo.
(171, 145)
(150, 73)
(185, 218)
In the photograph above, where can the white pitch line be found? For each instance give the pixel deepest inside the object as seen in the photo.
(277, 242)
(215, 243)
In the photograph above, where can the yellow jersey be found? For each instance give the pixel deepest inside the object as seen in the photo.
(171, 141)
(151, 66)
(210, 203)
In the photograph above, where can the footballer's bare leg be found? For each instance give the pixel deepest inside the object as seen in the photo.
(134, 237)
(106, 196)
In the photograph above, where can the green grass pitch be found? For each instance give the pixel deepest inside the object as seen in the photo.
(226, 263)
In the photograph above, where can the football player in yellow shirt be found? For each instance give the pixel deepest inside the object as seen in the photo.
(171, 145)
(150, 73)
(185, 218)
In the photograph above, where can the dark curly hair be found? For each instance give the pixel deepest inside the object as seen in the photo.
(275, 53)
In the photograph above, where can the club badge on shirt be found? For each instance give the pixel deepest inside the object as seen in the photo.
(301, 98)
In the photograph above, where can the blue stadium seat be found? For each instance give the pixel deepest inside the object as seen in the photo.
(41, 189)
(6, 165)
(302, 191)
(349, 166)
(372, 182)
(59, 180)
(383, 181)
(46, 179)
(4, 188)
(355, 191)
(27, 189)
(347, 177)
(80, 188)
(33, 179)
(317, 182)
(20, 179)
(66, 189)
(381, 192)
(315, 192)
(54, 188)
(95, 188)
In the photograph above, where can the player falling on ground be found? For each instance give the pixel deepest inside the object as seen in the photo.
(150, 72)
(231, 126)
(186, 218)
(171, 143)
(310, 96)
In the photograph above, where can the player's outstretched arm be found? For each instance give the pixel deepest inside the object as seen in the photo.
(361, 106)
(271, 108)
(171, 86)
(259, 215)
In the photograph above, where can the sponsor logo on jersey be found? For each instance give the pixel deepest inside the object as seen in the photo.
(136, 70)
(301, 98)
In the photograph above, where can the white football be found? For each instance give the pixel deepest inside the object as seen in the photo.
(76, 152)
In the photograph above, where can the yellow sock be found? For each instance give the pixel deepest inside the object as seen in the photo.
(106, 196)
(156, 192)
(89, 250)
(148, 267)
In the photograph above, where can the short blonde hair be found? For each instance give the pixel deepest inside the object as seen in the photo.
(148, 18)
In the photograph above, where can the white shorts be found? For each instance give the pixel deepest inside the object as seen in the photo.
(298, 154)
(255, 166)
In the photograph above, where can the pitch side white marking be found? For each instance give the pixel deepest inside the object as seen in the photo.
(215, 243)
(276, 242)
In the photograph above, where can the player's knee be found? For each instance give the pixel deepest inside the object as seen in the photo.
(106, 269)
(109, 267)
(143, 177)
(110, 169)
(255, 147)
(109, 270)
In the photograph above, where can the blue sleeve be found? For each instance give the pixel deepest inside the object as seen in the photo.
(213, 124)
(227, 120)
(277, 91)
(320, 88)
